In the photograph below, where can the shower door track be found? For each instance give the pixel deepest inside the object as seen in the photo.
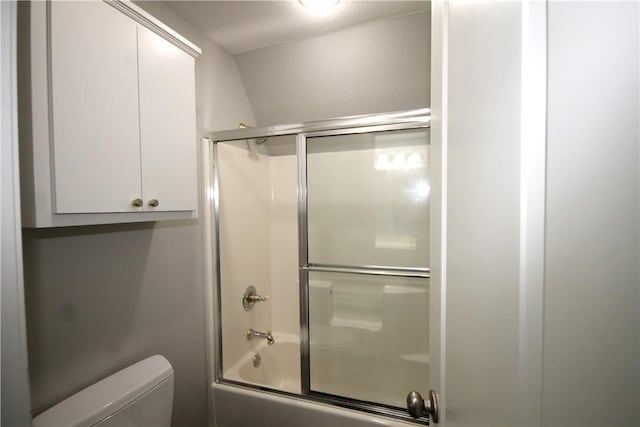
(402, 120)
(408, 119)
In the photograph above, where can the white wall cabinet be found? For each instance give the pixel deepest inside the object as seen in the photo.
(94, 117)
(109, 132)
(167, 117)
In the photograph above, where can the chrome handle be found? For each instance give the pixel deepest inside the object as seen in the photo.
(137, 203)
(153, 203)
(251, 297)
(266, 335)
(419, 407)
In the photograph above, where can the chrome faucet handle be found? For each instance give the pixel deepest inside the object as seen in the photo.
(250, 297)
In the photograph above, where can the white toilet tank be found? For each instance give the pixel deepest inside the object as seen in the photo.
(138, 396)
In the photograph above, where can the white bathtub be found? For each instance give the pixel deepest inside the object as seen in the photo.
(236, 406)
(279, 367)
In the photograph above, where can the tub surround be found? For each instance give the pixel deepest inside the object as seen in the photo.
(258, 244)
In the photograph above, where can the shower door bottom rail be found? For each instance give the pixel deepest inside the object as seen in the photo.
(424, 273)
(340, 401)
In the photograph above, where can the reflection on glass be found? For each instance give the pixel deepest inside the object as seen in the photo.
(368, 336)
(368, 199)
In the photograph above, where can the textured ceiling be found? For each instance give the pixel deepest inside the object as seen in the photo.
(241, 26)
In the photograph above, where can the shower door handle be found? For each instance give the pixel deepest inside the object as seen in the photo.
(419, 407)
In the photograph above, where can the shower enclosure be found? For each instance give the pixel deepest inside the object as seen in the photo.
(321, 242)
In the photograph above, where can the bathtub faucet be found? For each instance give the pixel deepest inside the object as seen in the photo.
(253, 333)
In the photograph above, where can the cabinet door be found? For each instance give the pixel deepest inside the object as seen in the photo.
(94, 100)
(167, 124)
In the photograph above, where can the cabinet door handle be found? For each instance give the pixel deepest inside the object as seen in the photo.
(153, 203)
(136, 203)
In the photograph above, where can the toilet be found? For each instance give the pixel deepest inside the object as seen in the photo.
(140, 395)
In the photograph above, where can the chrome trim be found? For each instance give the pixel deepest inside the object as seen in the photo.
(364, 406)
(420, 117)
(303, 254)
(424, 273)
(252, 333)
(251, 297)
(369, 129)
(419, 407)
(256, 360)
(218, 292)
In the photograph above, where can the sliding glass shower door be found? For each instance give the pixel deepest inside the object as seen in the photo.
(366, 265)
(322, 266)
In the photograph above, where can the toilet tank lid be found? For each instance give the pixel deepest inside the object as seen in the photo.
(107, 396)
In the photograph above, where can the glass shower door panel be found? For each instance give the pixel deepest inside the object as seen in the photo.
(368, 206)
(368, 199)
(369, 336)
(258, 218)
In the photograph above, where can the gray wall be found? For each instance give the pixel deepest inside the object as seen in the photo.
(591, 315)
(15, 407)
(375, 67)
(102, 297)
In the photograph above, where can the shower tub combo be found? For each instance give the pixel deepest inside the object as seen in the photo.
(319, 279)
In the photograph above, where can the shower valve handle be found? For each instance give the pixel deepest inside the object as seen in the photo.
(251, 297)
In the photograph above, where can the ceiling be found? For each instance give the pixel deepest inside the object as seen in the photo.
(240, 26)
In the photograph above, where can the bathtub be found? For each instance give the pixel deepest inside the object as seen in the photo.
(279, 370)
(279, 367)
(236, 406)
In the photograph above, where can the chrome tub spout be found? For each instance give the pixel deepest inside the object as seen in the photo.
(251, 333)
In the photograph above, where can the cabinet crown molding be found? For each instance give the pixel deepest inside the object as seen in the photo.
(155, 25)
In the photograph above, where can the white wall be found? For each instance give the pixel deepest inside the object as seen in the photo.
(592, 300)
(584, 369)
(379, 66)
(483, 213)
(245, 203)
(102, 297)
